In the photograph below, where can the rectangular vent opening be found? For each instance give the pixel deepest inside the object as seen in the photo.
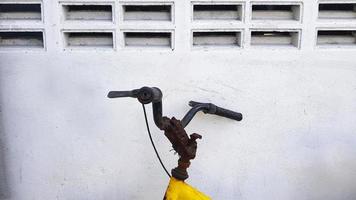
(89, 39)
(336, 37)
(217, 12)
(275, 38)
(21, 39)
(337, 10)
(276, 12)
(12, 11)
(148, 39)
(88, 12)
(148, 12)
(218, 38)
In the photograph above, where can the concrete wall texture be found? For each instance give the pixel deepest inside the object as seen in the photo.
(290, 69)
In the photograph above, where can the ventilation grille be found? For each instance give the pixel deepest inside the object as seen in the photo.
(148, 39)
(148, 12)
(152, 24)
(217, 12)
(275, 38)
(276, 12)
(89, 39)
(21, 39)
(216, 39)
(88, 12)
(9, 11)
(337, 11)
(336, 37)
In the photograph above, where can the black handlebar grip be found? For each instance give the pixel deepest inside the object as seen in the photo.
(228, 113)
(117, 94)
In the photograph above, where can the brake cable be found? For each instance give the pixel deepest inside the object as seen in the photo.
(153, 144)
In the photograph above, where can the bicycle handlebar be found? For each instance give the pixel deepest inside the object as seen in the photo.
(153, 95)
(118, 94)
(216, 110)
(228, 113)
(210, 109)
(145, 95)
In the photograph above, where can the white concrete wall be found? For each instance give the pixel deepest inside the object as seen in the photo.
(61, 138)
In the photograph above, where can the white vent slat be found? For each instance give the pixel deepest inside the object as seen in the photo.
(275, 12)
(18, 11)
(337, 11)
(147, 12)
(336, 37)
(217, 12)
(275, 38)
(148, 39)
(88, 12)
(89, 39)
(227, 38)
(21, 39)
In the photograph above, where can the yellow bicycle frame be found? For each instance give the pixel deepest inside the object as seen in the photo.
(179, 190)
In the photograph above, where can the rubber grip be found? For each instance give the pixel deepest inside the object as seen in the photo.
(228, 113)
(118, 94)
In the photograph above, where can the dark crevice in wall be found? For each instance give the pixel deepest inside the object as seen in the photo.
(19, 11)
(89, 39)
(215, 7)
(148, 12)
(21, 39)
(148, 39)
(147, 8)
(336, 6)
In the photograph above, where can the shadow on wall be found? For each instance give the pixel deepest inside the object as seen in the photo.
(4, 187)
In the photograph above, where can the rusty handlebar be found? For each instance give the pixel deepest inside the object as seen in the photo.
(184, 145)
(153, 95)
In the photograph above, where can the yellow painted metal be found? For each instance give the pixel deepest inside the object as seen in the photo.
(179, 190)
